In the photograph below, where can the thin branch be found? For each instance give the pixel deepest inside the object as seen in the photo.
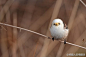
(74, 45)
(40, 34)
(24, 29)
(83, 3)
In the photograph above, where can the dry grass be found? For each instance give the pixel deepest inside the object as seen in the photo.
(37, 16)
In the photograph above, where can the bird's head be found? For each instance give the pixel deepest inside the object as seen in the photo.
(58, 23)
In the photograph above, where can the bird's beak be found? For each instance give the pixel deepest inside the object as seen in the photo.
(56, 24)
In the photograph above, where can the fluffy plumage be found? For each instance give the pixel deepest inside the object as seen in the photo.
(58, 31)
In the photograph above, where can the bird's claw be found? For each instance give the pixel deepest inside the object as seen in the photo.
(53, 38)
(65, 41)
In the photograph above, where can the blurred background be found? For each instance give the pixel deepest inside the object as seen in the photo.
(37, 15)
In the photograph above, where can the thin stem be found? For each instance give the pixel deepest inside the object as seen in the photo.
(40, 34)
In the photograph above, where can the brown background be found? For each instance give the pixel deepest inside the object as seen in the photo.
(37, 15)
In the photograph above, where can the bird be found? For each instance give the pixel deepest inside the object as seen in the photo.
(58, 30)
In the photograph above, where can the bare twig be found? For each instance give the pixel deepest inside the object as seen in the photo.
(39, 34)
(83, 3)
(24, 29)
(75, 45)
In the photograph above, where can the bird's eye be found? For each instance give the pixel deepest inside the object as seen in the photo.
(59, 23)
(54, 24)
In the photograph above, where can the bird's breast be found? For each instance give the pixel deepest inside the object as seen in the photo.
(57, 32)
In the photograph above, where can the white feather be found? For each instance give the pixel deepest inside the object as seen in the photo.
(58, 32)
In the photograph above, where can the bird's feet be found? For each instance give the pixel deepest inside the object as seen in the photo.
(64, 41)
(53, 38)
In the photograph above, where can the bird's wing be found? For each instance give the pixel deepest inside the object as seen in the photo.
(65, 27)
(66, 33)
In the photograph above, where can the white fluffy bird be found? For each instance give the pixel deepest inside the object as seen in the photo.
(58, 30)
